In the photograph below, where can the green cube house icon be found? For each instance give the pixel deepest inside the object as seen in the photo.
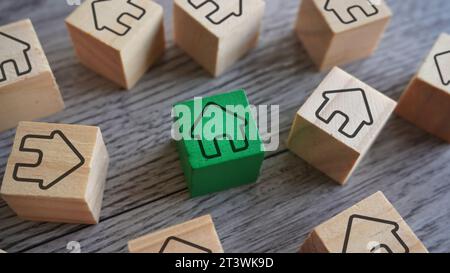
(220, 148)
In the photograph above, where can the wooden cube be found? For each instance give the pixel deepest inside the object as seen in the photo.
(338, 123)
(56, 173)
(371, 226)
(28, 89)
(118, 39)
(224, 158)
(196, 236)
(217, 33)
(336, 32)
(426, 101)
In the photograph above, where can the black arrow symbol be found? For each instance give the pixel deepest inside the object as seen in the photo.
(183, 242)
(220, 13)
(443, 67)
(369, 9)
(394, 231)
(45, 185)
(364, 103)
(226, 136)
(102, 12)
(23, 65)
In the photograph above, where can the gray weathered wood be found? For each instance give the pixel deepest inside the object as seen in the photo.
(145, 188)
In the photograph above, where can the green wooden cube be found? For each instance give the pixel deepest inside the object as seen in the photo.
(220, 147)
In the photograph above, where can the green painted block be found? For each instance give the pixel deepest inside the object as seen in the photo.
(220, 146)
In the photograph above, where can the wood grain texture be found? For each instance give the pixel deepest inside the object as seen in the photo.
(145, 190)
(28, 89)
(338, 123)
(123, 43)
(195, 236)
(217, 37)
(372, 225)
(335, 34)
(72, 168)
(426, 100)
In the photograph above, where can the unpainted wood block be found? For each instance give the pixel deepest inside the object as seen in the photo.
(28, 89)
(56, 173)
(338, 123)
(195, 236)
(336, 32)
(371, 226)
(118, 39)
(217, 33)
(426, 100)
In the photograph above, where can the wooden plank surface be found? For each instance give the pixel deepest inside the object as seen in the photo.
(145, 190)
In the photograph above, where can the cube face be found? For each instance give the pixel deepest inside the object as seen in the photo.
(27, 87)
(329, 28)
(216, 33)
(338, 124)
(371, 226)
(345, 15)
(118, 39)
(54, 169)
(426, 101)
(21, 48)
(221, 147)
(436, 68)
(363, 108)
(319, 149)
(196, 236)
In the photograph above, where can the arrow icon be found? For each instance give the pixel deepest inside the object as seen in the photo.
(226, 135)
(345, 9)
(108, 17)
(357, 236)
(19, 49)
(352, 125)
(183, 246)
(48, 174)
(223, 9)
(442, 61)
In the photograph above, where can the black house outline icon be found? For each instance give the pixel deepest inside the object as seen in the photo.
(217, 8)
(218, 153)
(40, 154)
(100, 27)
(349, 10)
(441, 71)
(346, 116)
(184, 242)
(394, 232)
(26, 50)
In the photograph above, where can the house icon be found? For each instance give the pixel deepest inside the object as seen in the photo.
(356, 114)
(116, 20)
(73, 160)
(177, 245)
(345, 10)
(209, 146)
(17, 56)
(442, 61)
(223, 9)
(372, 235)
